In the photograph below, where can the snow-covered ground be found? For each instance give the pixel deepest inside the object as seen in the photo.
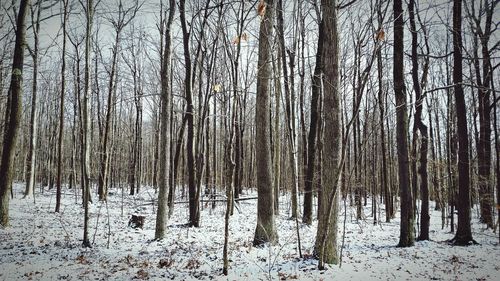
(43, 245)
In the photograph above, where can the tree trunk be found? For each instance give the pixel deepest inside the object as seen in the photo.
(484, 142)
(406, 237)
(289, 107)
(229, 175)
(313, 127)
(61, 110)
(162, 213)
(31, 156)
(326, 237)
(497, 150)
(85, 123)
(194, 204)
(463, 235)
(276, 133)
(13, 115)
(265, 230)
(422, 128)
(385, 187)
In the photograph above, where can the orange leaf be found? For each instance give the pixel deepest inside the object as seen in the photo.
(261, 9)
(380, 35)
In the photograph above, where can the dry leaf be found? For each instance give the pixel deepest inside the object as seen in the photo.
(236, 40)
(81, 259)
(142, 274)
(217, 88)
(261, 9)
(380, 35)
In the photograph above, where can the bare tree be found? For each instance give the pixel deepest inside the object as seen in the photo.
(381, 97)
(289, 107)
(12, 114)
(326, 235)
(421, 127)
(265, 230)
(162, 213)
(194, 206)
(313, 128)
(125, 16)
(89, 9)
(463, 235)
(484, 76)
(31, 155)
(406, 236)
(65, 4)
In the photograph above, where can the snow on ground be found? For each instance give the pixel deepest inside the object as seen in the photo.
(43, 245)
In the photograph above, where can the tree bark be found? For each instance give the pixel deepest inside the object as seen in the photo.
(326, 237)
(406, 237)
(61, 110)
(194, 204)
(162, 213)
(484, 142)
(313, 127)
(31, 156)
(265, 230)
(463, 235)
(422, 128)
(13, 115)
(385, 187)
(85, 123)
(289, 108)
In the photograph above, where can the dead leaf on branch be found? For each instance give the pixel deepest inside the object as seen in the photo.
(217, 88)
(238, 39)
(380, 36)
(261, 9)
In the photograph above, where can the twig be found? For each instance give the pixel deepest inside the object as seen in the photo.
(343, 233)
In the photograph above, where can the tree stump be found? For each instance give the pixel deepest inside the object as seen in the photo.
(136, 221)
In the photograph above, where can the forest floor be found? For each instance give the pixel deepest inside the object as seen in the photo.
(40, 244)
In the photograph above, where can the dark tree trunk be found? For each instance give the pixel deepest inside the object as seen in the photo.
(289, 107)
(311, 138)
(406, 237)
(13, 115)
(385, 187)
(175, 166)
(422, 128)
(484, 141)
(497, 166)
(194, 206)
(463, 235)
(61, 111)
